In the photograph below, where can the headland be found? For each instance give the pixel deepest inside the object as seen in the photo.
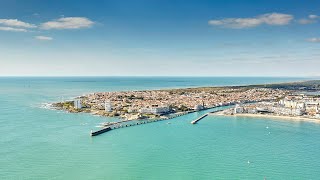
(252, 99)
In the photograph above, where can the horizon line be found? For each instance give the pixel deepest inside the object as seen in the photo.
(3, 76)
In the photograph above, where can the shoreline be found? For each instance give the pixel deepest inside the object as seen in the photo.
(274, 117)
(150, 104)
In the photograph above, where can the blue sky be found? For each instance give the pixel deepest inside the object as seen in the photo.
(159, 38)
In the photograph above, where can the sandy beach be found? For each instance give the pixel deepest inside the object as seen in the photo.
(289, 118)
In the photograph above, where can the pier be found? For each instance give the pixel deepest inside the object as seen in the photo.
(128, 123)
(199, 118)
(203, 116)
(108, 126)
(96, 133)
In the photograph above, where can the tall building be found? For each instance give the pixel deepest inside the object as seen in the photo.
(77, 104)
(238, 109)
(107, 106)
(198, 107)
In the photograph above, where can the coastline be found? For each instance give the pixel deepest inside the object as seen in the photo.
(274, 117)
(150, 104)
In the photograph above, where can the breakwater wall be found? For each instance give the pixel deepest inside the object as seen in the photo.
(128, 123)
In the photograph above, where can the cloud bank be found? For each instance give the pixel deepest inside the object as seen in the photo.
(12, 29)
(43, 38)
(312, 16)
(310, 20)
(314, 40)
(15, 25)
(68, 23)
(274, 19)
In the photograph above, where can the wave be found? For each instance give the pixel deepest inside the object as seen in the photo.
(47, 106)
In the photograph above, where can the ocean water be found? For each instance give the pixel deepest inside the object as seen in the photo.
(38, 143)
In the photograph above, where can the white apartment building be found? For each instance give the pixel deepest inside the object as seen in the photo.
(107, 106)
(155, 110)
(198, 107)
(238, 109)
(77, 104)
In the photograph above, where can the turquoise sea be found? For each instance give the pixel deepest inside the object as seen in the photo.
(38, 143)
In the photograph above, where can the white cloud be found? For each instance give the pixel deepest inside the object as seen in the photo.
(43, 38)
(68, 23)
(315, 40)
(16, 23)
(312, 16)
(12, 29)
(276, 19)
(236, 23)
(306, 21)
(311, 19)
